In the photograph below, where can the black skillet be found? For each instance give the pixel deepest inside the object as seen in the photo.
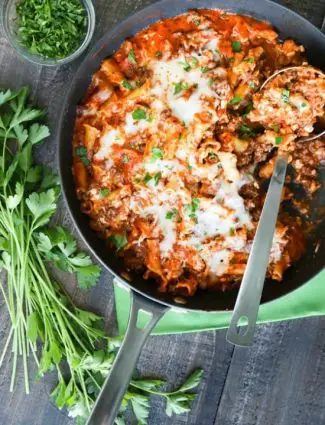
(145, 296)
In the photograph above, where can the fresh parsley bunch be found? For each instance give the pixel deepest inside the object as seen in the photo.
(39, 309)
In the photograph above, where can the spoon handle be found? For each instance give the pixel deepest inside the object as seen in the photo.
(249, 295)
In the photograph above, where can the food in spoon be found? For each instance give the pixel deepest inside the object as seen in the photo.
(291, 102)
(169, 161)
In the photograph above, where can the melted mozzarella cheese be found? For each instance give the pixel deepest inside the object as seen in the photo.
(112, 137)
(213, 221)
(165, 167)
(132, 126)
(166, 226)
(229, 164)
(218, 262)
(229, 195)
(212, 44)
(167, 74)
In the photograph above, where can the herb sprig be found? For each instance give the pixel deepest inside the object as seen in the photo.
(40, 311)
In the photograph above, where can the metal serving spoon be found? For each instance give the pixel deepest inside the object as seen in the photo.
(250, 292)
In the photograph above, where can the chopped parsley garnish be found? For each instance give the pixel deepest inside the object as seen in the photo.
(249, 60)
(119, 241)
(235, 100)
(248, 108)
(104, 192)
(304, 104)
(139, 114)
(125, 158)
(192, 208)
(236, 46)
(278, 140)
(285, 95)
(131, 57)
(195, 61)
(251, 84)
(156, 153)
(158, 54)
(189, 166)
(275, 127)
(179, 87)
(147, 178)
(212, 156)
(186, 66)
(52, 29)
(126, 85)
(204, 69)
(156, 178)
(196, 20)
(172, 214)
(81, 151)
(232, 230)
(211, 81)
(245, 132)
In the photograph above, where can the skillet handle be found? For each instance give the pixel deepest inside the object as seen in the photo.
(250, 291)
(109, 400)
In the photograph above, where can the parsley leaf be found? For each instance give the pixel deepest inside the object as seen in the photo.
(140, 406)
(139, 114)
(157, 177)
(147, 178)
(246, 132)
(42, 206)
(285, 95)
(204, 69)
(126, 85)
(235, 100)
(278, 140)
(37, 133)
(180, 87)
(247, 110)
(158, 54)
(104, 192)
(131, 57)
(186, 66)
(275, 127)
(82, 152)
(236, 46)
(119, 241)
(172, 214)
(192, 208)
(156, 153)
(125, 158)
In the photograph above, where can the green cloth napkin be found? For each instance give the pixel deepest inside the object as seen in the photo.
(308, 300)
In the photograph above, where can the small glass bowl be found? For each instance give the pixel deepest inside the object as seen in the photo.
(9, 18)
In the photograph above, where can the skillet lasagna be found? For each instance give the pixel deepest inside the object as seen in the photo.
(173, 142)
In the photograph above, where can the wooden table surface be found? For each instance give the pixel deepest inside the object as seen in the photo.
(280, 380)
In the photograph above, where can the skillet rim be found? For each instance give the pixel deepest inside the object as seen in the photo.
(67, 105)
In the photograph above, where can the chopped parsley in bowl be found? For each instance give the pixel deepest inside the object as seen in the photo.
(49, 32)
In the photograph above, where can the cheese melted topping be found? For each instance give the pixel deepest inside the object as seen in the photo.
(170, 206)
(175, 184)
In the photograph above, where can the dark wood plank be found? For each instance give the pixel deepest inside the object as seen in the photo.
(280, 379)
